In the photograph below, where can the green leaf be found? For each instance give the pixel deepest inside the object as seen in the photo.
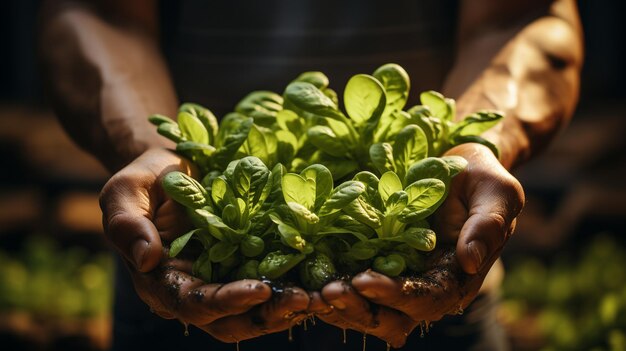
(352, 225)
(341, 196)
(339, 167)
(423, 195)
(323, 180)
(396, 203)
(431, 167)
(369, 179)
(261, 142)
(248, 270)
(382, 157)
(290, 121)
(221, 251)
(231, 216)
(291, 237)
(476, 123)
(318, 79)
(171, 131)
(364, 98)
(308, 98)
(299, 190)
(439, 105)
(158, 119)
(276, 264)
(232, 141)
(221, 193)
(324, 139)
(396, 82)
(192, 129)
(217, 227)
(192, 147)
(250, 177)
(251, 246)
(332, 95)
(177, 245)
(262, 106)
(203, 268)
(185, 190)
(365, 213)
(363, 250)
(206, 117)
(303, 212)
(287, 146)
(415, 261)
(389, 183)
(392, 265)
(276, 191)
(456, 164)
(340, 129)
(411, 146)
(317, 271)
(422, 239)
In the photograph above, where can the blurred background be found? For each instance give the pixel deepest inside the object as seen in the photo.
(565, 287)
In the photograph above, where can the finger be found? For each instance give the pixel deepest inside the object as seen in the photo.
(171, 221)
(171, 289)
(127, 221)
(443, 289)
(208, 302)
(317, 305)
(493, 207)
(279, 313)
(384, 323)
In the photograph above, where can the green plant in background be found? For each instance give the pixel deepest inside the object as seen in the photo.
(293, 181)
(46, 281)
(579, 301)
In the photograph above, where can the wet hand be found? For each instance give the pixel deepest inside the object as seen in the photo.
(139, 219)
(473, 225)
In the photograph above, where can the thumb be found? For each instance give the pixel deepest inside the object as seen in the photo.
(494, 203)
(127, 221)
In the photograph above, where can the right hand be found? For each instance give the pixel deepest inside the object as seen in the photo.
(137, 215)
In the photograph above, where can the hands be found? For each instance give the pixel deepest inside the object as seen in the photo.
(137, 215)
(478, 216)
(473, 225)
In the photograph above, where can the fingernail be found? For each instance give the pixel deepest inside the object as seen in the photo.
(338, 304)
(478, 250)
(368, 293)
(139, 248)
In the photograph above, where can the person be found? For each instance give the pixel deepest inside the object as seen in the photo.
(106, 72)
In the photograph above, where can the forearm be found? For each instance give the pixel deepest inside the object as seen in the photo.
(104, 81)
(533, 79)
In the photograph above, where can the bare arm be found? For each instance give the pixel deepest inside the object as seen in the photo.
(523, 59)
(105, 74)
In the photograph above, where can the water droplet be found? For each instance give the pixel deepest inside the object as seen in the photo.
(151, 310)
(313, 319)
(364, 340)
(344, 336)
(186, 333)
(459, 310)
(427, 326)
(388, 347)
(290, 334)
(305, 326)
(421, 329)
(237, 346)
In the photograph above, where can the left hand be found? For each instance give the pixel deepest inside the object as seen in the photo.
(472, 225)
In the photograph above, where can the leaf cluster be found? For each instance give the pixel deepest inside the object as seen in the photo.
(293, 187)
